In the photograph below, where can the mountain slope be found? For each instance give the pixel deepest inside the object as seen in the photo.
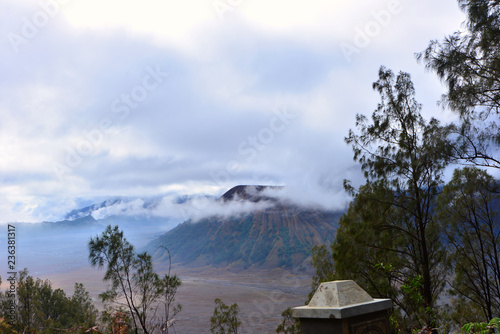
(280, 235)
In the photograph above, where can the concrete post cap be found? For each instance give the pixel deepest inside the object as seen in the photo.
(340, 299)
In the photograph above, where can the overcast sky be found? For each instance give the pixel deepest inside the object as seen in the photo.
(145, 98)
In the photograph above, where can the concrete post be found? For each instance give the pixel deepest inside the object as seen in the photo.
(342, 307)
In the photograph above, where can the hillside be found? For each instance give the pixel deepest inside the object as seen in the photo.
(279, 235)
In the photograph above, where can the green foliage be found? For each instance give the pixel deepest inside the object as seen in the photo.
(82, 307)
(41, 309)
(482, 327)
(398, 239)
(5, 328)
(467, 211)
(225, 319)
(324, 268)
(133, 281)
(364, 241)
(391, 219)
(289, 325)
(116, 320)
(469, 63)
(398, 146)
(412, 287)
(169, 285)
(461, 311)
(368, 250)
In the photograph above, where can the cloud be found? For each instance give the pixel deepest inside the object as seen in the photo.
(205, 207)
(196, 207)
(79, 122)
(132, 208)
(312, 196)
(174, 207)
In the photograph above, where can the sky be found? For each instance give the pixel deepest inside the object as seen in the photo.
(110, 98)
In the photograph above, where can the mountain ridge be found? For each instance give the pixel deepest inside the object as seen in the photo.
(279, 235)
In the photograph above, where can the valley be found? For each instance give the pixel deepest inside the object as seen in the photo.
(259, 260)
(261, 294)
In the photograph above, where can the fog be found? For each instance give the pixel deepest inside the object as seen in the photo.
(52, 247)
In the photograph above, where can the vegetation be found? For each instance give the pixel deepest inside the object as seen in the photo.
(467, 209)
(322, 261)
(289, 325)
(40, 309)
(134, 285)
(406, 233)
(138, 300)
(393, 212)
(482, 327)
(469, 63)
(225, 319)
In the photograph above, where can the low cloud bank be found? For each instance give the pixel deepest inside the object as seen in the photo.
(313, 197)
(197, 207)
(178, 208)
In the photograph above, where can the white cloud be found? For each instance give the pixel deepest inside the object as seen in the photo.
(132, 208)
(172, 207)
(312, 195)
(226, 79)
(167, 21)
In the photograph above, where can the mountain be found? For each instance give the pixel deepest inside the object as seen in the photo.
(87, 211)
(137, 206)
(248, 193)
(119, 206)
(278, 234)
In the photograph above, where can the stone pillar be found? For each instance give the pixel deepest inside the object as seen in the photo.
(342, 307)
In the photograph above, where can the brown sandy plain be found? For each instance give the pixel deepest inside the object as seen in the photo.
(261, 294)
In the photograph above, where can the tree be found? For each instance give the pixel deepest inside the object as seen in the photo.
(469, 63)
(403, 166)
(324, 268)
(289, 325)
(468, 211)
(112, 250)
(5, 328)
(83, 311)
(115, 321)
(28, 302)
(43, 310)
(225, 319)
(375, 246)
(482, 328)
(5, 308)
(169, 285)
(133, 282)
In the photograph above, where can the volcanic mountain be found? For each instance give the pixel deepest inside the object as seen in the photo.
(276, 233)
